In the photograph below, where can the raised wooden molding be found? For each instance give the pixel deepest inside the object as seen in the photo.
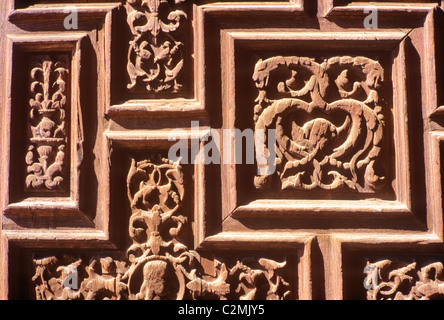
(353, 211)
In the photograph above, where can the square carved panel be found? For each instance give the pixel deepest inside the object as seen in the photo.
(344, 119)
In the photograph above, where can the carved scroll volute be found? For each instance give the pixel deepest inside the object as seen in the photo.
(156, 54)
(155, 202)
(48, 126)
(328, 121)
(398, 280)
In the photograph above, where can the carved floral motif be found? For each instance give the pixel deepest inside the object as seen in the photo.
(155, 56)
(48, 129)
(404, 281)
(158, 265)
(328, 121)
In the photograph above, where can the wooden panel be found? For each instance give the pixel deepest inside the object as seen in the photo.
(344, 202)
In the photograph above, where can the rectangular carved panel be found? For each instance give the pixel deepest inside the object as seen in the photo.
(156, 53)
(327, 120)
(48, 133)
(158, 265)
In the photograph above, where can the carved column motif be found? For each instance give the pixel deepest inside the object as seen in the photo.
(328, 121)
(158, 265)
(387, 279)
(156, 55)
(48, 130)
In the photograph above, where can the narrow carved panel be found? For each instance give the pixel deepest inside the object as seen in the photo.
(158, 265)
(398, 280)
(328, 122)
(48, 127)
(156, 54)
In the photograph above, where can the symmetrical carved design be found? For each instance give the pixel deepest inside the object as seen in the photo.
(404, 281)
(328, 121)
(155, 56)
(158, 264)
(48, 129)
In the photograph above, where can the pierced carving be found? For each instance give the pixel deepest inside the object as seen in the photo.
(155, 56)
(158, 265)
(48, 129)
(404, 281)
(328, 121)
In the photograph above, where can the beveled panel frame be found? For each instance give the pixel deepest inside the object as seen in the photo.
(295, 219)
(42, 44)
(79, 218)
(331, 8)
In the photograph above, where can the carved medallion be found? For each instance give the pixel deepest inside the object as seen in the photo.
(328, 121)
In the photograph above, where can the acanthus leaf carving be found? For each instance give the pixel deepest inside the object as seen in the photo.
(328, 120)
(158, 264)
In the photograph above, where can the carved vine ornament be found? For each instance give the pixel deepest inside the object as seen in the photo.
(155, 55)
(328, 121)
(396, 280)
(158, 265)
(47, 126)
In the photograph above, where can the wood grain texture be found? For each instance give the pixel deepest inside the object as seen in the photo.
(354, 209)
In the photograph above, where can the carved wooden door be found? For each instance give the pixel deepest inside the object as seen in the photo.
(179, 149)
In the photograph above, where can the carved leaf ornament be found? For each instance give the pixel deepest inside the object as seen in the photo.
(328, 121)
(155, 56)
(46, 151)
(158, 264)
(396, 280)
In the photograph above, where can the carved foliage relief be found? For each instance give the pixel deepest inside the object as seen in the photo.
(328, 120)
(398, 280)
(48, 128)
(158, 265)
(156, 54)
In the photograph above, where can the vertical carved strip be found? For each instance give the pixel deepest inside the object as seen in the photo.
(155, 55)
(48, 129)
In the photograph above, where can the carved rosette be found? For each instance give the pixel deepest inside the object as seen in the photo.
(158, 265)
(398, 280)
(47, 125)
(155, 55)
(328, 121)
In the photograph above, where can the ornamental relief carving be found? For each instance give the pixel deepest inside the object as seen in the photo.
(398, 280)
(158, 265)
(48, 130)
(156, 54)
(328, 119)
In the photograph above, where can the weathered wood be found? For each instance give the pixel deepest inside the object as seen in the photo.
(350, 118)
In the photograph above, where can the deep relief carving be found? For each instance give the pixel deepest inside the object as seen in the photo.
(397, 280)
(158, 265)
(48, 134)
(155, 56)
(328, 121)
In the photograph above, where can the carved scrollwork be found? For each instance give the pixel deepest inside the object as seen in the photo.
(47, 124)
(328, 121)
(158, 264)
(155, 55)
(387, 280)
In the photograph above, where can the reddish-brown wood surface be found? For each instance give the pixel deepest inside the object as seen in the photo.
(353, 209)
